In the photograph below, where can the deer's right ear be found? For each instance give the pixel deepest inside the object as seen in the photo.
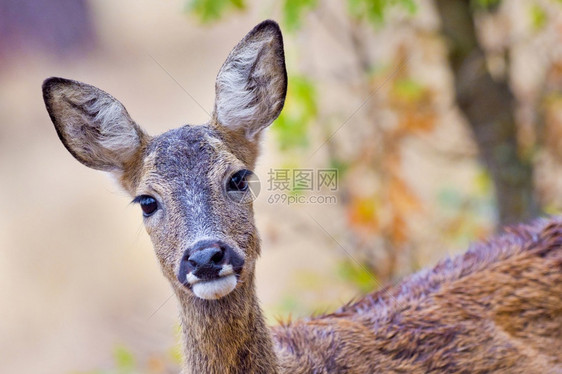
(94, 127)
(252, 83)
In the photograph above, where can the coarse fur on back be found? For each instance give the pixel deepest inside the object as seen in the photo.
(497, 308)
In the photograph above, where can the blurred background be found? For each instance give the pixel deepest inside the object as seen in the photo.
(443, 119)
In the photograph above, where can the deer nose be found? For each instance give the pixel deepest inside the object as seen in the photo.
(208, 260)
(205, 263)
(208, 257)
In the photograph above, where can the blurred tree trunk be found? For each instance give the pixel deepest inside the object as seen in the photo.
(488, 105)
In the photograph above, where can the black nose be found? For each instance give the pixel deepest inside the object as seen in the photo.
(207, 258)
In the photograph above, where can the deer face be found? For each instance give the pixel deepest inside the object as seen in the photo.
(196, 200)
(192, 183)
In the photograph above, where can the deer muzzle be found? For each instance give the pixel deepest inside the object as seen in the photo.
(210, 268)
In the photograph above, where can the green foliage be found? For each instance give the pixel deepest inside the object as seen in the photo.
(408, 90)
(124, 360)
(175, 355)
(341, 165)
(290, 305)
(483, 183)
(538, 17)
(485, 4)
(374, 10)
(301, 108)
(450, 198)
(477, 202)
(212, 10)
(309, 283)
(357, 275)
(293, 11)
(468, 215)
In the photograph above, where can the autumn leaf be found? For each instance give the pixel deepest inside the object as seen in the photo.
(362, 213)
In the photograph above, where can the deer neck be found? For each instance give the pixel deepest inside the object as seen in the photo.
(228, 335)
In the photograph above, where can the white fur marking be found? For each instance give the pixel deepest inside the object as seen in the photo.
(226, 270)
(215, 289)
(192, 279)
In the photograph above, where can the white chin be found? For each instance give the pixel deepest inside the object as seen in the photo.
(215, 289)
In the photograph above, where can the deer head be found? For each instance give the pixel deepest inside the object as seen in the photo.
(192, 182)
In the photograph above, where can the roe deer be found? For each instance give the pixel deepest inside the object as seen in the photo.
(497, 308)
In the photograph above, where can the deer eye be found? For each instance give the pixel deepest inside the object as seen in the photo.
(239, 180)
(148, 204)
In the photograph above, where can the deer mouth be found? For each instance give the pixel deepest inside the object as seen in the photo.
(210, 269)
(215, 288)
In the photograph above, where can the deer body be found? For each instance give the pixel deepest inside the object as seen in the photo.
(496, 308)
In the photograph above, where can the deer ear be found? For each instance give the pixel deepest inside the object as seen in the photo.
(252, 83)
(94, 127)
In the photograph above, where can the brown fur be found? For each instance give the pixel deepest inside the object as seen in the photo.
(496, 308)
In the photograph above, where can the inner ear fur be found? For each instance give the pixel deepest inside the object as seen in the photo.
(252, 83)
(93, 126)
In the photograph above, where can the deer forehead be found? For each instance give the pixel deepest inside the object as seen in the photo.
(186, 169)
(191, 159)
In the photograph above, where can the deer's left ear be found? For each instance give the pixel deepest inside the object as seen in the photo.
(252, 83)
